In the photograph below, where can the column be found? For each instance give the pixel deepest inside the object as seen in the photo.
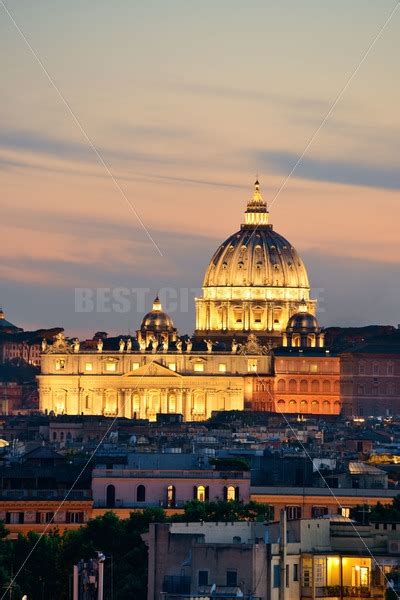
(120, 403)
(128, 404)
(188, 405)
(143, 404)
(179, 401)
(164, 401)
(270, 316)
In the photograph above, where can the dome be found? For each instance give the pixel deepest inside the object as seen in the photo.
(303, 322)
(157, 320)
(259, 257)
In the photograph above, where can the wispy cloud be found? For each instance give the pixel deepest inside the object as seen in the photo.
(330, 170)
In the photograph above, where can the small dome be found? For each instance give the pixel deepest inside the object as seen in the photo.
(303, 322)
(157, 320)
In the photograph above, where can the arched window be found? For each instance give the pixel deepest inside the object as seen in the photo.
(110, 496)
(200, 493)
(141, 493)
(230, 493)
(326, 386)
(303, 386)
(171, 494)
(315, 386)
(326, 407)
(281, 385)
(292, 385)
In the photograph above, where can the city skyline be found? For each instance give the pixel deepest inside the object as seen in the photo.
(186, 104)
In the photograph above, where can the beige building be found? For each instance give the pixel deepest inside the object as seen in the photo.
(138, 384)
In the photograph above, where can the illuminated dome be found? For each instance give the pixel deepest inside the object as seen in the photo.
(303, 322)
(254, 282)
(156, 326)
(256, 257)
(157, 320)
(303, 330)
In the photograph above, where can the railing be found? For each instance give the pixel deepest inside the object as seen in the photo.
(52, 494)
(337, 591)
(181, 474)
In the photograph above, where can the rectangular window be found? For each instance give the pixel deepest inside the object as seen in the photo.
(287, 580)
(307, 578)
(135, 365)
(89, 367)
(15, 517)
(203, 578)
(295, 572)
(345, 511)
(74, 517)
(313, 368)
(111, 367)
(231, 578)
(222, 367)
(320, 572)
(319, 511)
(172, 366)
(198, 367)
(293, 512)
(277, 576)
(252, 366)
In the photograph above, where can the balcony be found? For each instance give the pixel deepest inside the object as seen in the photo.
(342, 592)
(160, 474)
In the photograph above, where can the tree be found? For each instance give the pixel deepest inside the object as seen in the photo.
(223, 511)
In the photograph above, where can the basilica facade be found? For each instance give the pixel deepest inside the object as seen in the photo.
(256, 300)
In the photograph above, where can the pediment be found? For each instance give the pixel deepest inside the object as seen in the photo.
(153, 369)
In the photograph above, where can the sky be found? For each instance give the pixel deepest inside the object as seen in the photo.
(186, 102)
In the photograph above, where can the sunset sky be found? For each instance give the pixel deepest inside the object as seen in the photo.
(186, 102)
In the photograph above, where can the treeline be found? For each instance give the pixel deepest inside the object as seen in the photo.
(41, 566)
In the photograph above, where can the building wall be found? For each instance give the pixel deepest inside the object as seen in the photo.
(23, 515)
(370, 384)
(156, 486)
(140, 385)
(309, 502)
(307, 384)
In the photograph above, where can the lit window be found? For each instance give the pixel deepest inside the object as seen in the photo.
(172, 366)
(222, 367)
(89, 367)
(135, 365)
(198, 367)
(345, 510)
(170, 496)
(252, 366)
(111, 366)
(60, 364)
(313, 368)
(230, 493)
(201, 493)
